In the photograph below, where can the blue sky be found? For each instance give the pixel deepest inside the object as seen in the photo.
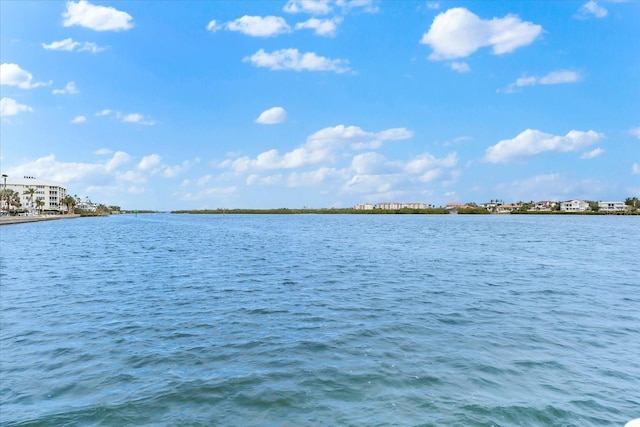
(266, 104)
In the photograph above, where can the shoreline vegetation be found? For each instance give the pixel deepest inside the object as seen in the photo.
(404, 211)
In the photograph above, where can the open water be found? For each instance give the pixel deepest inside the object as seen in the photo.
(321, 320)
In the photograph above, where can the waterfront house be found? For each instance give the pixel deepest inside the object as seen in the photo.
(543, 206)
(505, 209)
(574, 206)
(612, 206)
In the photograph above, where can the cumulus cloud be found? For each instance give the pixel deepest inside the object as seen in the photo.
(314, 7)
(553, 186)
(291, 59)
(78, 119)
(272, 116)
(461, 67)
(427, 162)
(433, 5)
(322, 147)
(98, 18)
(591, 9)
(255, 26)
(149, 162)
(104, 112)
(592, 154)
(532, 142)
(69, 45)
(342, 160)
(13, 75)
(48, 167)
(315, 177)
(135, 118)
(213, 26)
(458, 33)
(635, 169)
(208, 193)
(553, 78)
(635, 132)
(322, 27)
(372, 163)
(69, 89)
(10, 107)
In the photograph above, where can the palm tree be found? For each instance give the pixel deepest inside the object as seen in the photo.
(70, 202)
(39, 205)
(12, 199)
(30, 191)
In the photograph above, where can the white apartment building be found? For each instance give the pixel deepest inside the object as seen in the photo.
(363, 207)
(612, 206)
(574, 206)
(51, 193)
(415, 205)
(389, 205)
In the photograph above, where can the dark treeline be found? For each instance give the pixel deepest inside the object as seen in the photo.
(315, 211)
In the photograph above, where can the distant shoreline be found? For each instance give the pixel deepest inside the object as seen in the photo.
(349, 211)
(8, 220)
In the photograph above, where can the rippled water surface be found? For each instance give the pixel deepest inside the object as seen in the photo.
(269, 320)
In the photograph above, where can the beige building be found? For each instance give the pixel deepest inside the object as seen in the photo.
(363, 207)
(51, 193)
(389, 205)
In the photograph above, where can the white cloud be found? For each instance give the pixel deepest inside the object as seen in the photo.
(591, 9)
(103, 113)
(426, 162)
(532, 142)
(78, 119)
(103, 151)
(461, 67)
(257, 26)
(48, 167)
(433, 5)
(207, 194)
(149, 162)
(372, 184)
(458, 33)
(272, 116)
(552, 186)
(365, 5)
(373, 163)
(560, 76)
(291, 59)
(592, 154)
(136, 118)
(69, 89)
(98, 18)
(10, 107)
(119, 158)
(322, 27)
(69, 45)
(322, 147)
(635, 169)
(314, 7)
(213, 26)
(311, 178)
(13, 75)
(553, 78)
(635, 132)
